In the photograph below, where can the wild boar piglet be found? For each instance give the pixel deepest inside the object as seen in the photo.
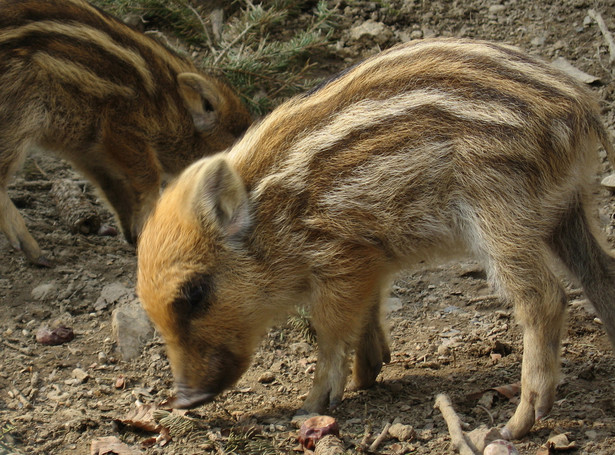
(121, 107)
(429, 148)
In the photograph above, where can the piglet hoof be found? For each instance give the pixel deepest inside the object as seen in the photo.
(334, 403)
(42, 261)
(506, 434)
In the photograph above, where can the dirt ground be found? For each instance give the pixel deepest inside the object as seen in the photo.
(449, 333)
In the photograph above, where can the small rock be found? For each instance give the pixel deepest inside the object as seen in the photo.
(120, 382)
(113, 293)
(53, 337)
(300, 348)
(376, 31)
(416, 34)
(266, 378)
(393, 304)
(444, 349)
(497, 9)
(80, 375)
(131, 329)
(44, 291)
(402, 432)
(591, 434)
(538, 41)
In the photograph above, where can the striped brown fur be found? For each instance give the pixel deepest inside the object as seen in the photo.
(122, 108)
(428, 149)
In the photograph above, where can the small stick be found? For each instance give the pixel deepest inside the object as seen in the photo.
(362, 447)
(488, 413)
(380, 437)
(458, 437)
(595, 15)
(17, 348)
(212, 49)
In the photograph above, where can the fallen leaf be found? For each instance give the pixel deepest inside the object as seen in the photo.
(509, 391)
(142, 417)
(111, 445)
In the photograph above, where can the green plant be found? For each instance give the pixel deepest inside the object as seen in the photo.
(258, 49)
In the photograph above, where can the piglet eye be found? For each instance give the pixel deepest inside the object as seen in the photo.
(194, 296)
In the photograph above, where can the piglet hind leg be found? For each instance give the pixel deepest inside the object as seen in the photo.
(577, 247)
(12, 223)
(15, 230)
(518, 260)
(372, 349)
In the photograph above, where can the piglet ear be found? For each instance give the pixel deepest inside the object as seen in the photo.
(201, 98)
(222, 196)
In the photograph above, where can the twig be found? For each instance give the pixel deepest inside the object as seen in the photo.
(362, 447)
(380, 437)
(232, 43)
(453, 422)
(491, 421)
(595, 15)
(17, 348)
(210, 44)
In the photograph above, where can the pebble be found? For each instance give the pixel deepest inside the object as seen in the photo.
(497, 9)
(44, 291)
(266, 378)
(402, 432)
(113, 293)
(393, 304)
(80, 375)
(300, 348)
(370, 29)
(131, 329)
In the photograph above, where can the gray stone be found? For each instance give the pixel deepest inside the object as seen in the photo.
(131, 329)
(377, 31)
(393, 304)
(113, 293)
(44, 291)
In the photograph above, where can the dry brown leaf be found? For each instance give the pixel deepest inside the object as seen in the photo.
(509, 390)
(111, 445)
(142, 417)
